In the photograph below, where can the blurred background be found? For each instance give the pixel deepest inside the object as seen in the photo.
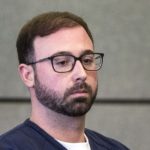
(121, 29)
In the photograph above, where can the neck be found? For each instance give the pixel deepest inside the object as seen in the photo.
(61, 127)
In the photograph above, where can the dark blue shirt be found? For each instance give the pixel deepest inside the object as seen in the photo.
(29, 136)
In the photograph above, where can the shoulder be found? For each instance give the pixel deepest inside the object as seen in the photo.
(28, 136)
(17, 138)
(8, 139)
(99, 140)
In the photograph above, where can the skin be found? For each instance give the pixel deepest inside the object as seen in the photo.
(75, 41)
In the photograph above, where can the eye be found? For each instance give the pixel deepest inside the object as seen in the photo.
(61, 61)
(88, 59)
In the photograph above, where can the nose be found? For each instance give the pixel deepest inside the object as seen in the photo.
(79, 73)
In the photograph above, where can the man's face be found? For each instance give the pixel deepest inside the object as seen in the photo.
(71, 93)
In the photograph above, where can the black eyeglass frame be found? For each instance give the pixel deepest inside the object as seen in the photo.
(75, 59)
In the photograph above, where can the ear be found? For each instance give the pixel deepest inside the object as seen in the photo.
(27, 74)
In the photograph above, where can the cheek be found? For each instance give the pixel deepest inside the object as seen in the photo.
(56, 83)
(93, 80)
(52, 80)
(47, 77)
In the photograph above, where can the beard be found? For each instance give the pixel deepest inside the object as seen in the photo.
(66, 104)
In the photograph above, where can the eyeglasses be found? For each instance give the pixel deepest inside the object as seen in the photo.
(65, 62)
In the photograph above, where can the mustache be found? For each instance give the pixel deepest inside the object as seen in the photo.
(79, 87)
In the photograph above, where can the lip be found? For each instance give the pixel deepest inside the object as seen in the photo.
(79, 92)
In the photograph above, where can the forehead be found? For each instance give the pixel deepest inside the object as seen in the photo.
(74, 40)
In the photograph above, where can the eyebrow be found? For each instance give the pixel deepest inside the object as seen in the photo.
(88, 51)
(62, 53)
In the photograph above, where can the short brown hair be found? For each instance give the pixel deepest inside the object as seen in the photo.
(43, 25)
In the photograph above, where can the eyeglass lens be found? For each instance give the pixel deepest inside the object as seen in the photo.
(65, 63)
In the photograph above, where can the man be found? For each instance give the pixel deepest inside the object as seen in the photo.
(58, 64)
